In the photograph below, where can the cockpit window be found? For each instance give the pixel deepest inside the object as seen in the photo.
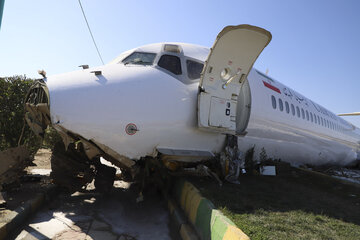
(170, 63)
(194, 69)
(140, 58)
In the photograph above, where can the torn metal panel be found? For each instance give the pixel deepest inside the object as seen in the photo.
(124, 161)
(64, 135)
(93, 149)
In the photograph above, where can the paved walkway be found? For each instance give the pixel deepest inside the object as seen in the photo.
(90, 215)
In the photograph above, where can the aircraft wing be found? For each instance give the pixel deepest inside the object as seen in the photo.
(350, 114)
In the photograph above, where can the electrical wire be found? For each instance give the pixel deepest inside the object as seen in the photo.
(92, 36)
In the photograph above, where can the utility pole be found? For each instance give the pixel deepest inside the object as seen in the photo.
(1, 10)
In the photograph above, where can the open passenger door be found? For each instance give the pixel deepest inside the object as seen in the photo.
(224, 99)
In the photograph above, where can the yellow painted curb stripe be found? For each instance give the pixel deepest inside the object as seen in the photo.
(190, 200)
(188, 188)
(186, 233)
(171, 206)
(184, 192)
(234, 233)
(194, 205)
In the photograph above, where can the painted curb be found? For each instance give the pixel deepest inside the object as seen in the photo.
(209, 223)
(14, 219)
(178, 223)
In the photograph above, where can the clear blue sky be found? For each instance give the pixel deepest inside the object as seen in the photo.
(314, 50)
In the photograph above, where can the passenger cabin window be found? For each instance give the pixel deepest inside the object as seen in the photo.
(292, 109)
(281, 106)
(298, 111)
(307, 115)
(170, 63)
(287, 107)
(194, 69)
(140, 58)
(302, 113)
(273, 100)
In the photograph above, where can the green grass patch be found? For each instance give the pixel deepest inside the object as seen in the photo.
(296, 205)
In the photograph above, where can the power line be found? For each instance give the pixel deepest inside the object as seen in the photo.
(87, 23)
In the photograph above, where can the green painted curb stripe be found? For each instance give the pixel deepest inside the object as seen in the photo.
(209, 222)
(177, 190)
(203, 218)
(219, 225)
(218, 214)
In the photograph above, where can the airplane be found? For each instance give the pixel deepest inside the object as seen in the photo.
(177, 103)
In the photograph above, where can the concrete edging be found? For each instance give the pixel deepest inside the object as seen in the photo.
(178, 222)
(208, 222)
(14, 219)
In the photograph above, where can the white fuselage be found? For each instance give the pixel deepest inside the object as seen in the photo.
(163, 107)
(295, 137)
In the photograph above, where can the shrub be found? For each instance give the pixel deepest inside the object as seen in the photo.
(12, 94)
